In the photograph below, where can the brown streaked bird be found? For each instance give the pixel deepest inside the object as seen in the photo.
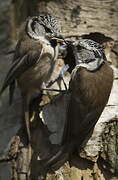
(90, 87)
(34, 59)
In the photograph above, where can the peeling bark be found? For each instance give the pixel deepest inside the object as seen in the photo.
(98, 158)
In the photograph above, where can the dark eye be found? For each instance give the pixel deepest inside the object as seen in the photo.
(48, 30)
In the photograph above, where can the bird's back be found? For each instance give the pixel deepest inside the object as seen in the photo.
(89, 94)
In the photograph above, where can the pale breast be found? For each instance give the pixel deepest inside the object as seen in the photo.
(32, 79)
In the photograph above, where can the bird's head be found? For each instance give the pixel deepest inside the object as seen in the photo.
(85, 53)
(44, 26)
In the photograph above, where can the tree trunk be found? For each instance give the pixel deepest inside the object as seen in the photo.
(98, 159)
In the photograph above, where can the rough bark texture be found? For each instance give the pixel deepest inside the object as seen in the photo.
(83, 17)
(96, 19)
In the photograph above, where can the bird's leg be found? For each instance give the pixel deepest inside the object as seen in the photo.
(44, 88)
(60, 77)
(56, 90)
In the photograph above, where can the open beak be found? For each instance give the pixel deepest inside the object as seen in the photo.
(58, 38)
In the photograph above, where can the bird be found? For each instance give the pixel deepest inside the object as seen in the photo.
(89, 88)
(34, 58)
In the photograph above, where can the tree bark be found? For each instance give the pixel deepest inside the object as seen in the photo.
(98, 159)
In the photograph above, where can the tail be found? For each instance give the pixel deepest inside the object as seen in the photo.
(27, 118)
(27, 123)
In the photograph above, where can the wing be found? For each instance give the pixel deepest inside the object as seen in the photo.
(19, 66)
(88, 100)
(79, 124)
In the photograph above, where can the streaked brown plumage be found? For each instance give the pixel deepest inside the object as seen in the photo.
(90, 87)
(89, 94)
(34, 59)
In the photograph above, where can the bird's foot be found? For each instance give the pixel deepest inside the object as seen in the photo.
(56, 90)
(60, 77)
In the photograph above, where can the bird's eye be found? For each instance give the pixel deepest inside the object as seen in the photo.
(48, 30)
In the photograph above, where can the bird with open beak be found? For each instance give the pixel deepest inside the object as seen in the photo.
(34, 59)
(89, 87)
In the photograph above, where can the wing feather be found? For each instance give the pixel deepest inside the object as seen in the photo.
(19, 66)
